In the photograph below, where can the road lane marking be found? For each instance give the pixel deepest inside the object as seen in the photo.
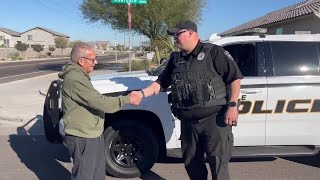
(61, 60)
(23, 74)
(30, 64)
(39, 63)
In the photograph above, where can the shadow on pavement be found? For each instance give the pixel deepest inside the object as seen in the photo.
(170, 160)
(306, 160)
(38, 154)
(253, 159)
(173, 160)
(151, 176)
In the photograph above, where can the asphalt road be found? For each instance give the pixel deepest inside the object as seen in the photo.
(12, 71)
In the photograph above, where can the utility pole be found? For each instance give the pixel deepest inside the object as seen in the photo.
(129, 24)
(128, 2)
(115, 46)
(124, 41)
(140, 43)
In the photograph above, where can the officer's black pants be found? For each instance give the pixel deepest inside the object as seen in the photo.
(208, 135)
(88, 157)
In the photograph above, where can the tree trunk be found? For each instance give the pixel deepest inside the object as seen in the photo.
(168, 43)
(157, 54)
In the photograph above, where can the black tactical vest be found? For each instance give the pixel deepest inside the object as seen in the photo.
(195, 83)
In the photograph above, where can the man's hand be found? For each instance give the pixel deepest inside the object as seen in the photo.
(135, 97)
(232, 112)
(232, 116)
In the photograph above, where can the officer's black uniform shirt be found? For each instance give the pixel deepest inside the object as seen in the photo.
(224, 65)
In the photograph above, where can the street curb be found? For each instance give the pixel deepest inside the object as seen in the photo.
(17, 81)
(11, 119)
(28, 122)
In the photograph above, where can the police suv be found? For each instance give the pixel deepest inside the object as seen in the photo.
(279, 112)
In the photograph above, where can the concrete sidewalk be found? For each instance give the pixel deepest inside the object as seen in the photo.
(22, 101)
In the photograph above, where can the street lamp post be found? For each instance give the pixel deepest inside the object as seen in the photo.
(129, 24)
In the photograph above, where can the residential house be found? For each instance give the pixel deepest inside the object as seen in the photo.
(301, 18)
(100, 45)
(8, 37)
(39, 35)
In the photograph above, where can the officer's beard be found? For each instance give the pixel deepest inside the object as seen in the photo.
(183, 48)
(179, 46)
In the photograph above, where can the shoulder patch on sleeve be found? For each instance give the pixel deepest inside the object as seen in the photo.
(228, 55)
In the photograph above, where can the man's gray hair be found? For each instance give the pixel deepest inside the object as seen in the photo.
(79, 50)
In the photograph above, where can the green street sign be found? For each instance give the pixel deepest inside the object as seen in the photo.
(129, 1)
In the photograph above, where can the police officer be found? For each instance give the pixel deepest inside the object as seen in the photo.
(205, 85)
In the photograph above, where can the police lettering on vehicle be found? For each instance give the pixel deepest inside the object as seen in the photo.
(282, 106)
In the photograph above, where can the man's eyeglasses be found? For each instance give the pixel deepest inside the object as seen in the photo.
(92, 60)
(177, 34)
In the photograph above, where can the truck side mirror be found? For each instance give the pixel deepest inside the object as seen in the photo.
(162, 60)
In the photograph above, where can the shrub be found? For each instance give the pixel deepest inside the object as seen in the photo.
(42, 56)
(136, 65)
(22, 47)
(38, 48)
(52, 48)
(61, 42)
(14, 56)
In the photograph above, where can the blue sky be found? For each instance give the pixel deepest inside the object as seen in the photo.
(64, 16)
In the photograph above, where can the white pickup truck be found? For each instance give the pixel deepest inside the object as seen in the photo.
(279, 107)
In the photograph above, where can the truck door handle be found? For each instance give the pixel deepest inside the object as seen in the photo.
(252, 91)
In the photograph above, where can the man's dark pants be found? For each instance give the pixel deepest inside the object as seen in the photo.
(208, 135)
(88, 156)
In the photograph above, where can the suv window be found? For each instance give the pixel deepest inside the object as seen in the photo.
(245, 56)
(295, 58)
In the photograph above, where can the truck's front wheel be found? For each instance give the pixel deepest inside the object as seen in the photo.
(131, 148)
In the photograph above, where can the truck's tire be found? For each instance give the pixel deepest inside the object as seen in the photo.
(52, 113)
(51, 131)
(130, 141)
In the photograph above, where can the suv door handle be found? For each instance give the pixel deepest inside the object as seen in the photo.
(252, 91)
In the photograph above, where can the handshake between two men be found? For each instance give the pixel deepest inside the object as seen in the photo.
(136, 97)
